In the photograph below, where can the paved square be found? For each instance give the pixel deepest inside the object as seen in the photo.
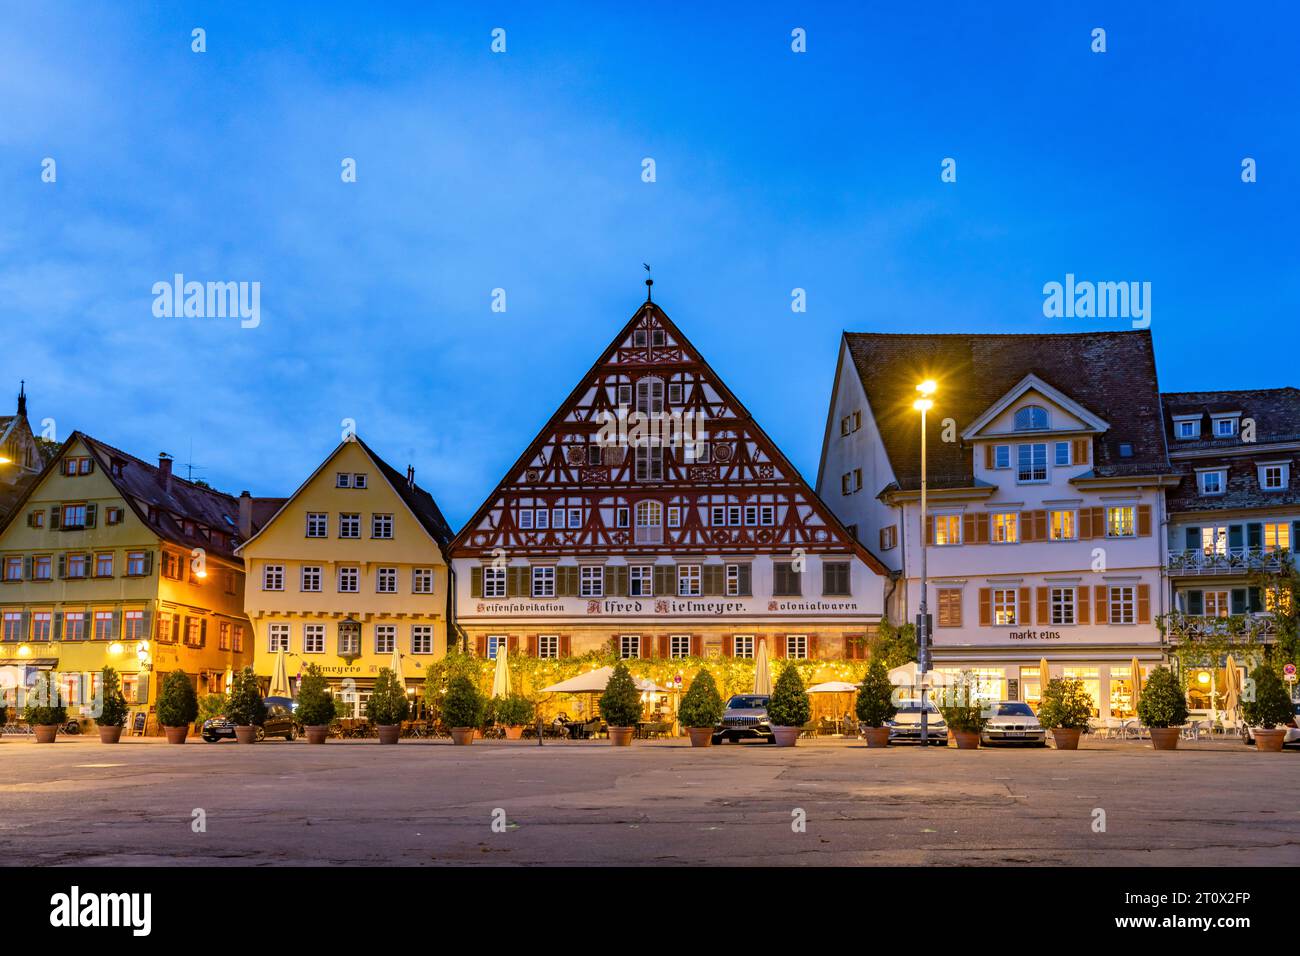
(426, 802)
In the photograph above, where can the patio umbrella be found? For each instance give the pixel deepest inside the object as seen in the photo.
(592, 682)
(1137, 682)
(230, 679)
(280, 678)
(395, 665)
(762, 673)
(501, 676)
(1230, 688)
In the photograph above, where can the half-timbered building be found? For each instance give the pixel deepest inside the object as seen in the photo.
(651, 515)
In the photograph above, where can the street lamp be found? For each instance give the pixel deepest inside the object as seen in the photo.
(923, 405)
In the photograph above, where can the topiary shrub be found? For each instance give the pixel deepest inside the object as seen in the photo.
(702, 704)
(1065, 705)
(962, 710)
(439, 675)
(388, 704)
(1272, 703)
(113, 709)
(875, 704)
(245, 707)
(316, 706)
(514, 710)
(1163, 703)
(178, 705)
(44, 705)
(620, 705)
(789, 705)
(463, 704)
(212, 705)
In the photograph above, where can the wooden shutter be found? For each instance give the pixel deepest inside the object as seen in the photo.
(56, 627)
(1081, 451)
(969, 534)
(929, 529)
(27, 568)
(616, 581)
(566, 581)
(1085, 524)
(1040, 525)
(92, 514)
(1098, 522)
(532, 645)
(1044, 613)
(664, 578)
(480, 645)
(476, 582)
(744, 576)
(203, 632)
(714, 579)
(812, 646)
(1024, 606)
(566, 648)
(1144, 604)
(1027, 526)
(986, 607)
(1081, 614)
(63, 566)
(728, 645)
(1144, 520)
(512, 642)
(665, 646)
(697, 645)
(1102, 593)
(56, 518)
(989, 461)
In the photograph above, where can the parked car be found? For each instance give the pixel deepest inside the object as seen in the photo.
(1292, 730)
(279, 723)
(745, 719)
(1013, 722)
(906, 724)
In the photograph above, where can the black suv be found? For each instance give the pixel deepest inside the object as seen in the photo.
(745, 719)
(279, 723)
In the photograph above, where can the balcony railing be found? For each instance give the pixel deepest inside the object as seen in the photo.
(1229, 561)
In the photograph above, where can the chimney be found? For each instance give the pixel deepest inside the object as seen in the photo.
(22, 399)
(165, 466)
(245, 516)
(410, 476)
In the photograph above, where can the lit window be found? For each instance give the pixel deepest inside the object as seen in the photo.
(1121, 522)
(1277, 537)
(1215, 604)
(1061, 525)
(1004, 605)
(947, 529)
(1006, 528)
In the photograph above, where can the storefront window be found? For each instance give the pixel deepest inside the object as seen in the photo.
(1031, 686)
(1121, 692)
(1091, 677)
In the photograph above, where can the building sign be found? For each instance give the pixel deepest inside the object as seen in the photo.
(1035, 635)
(719, 607)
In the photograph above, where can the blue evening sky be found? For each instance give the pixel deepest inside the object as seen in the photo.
(522, 171)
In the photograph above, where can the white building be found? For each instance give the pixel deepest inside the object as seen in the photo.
(1046, 469)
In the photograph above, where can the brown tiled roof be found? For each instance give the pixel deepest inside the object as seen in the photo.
(417, 499)
(1111, 374)
(1276, 414)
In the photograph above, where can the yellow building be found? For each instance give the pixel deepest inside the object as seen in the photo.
(352, 566)
(108, 560)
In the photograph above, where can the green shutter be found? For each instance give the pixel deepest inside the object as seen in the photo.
(92, 514)
(56, 516)
(56, 626)
(1255, 600)
(744, 582)
(1192, 539)
(1195, 602)
(664, 584)
(1235, 537)
(476, 582)
(1238, 601)
(1255, 536)
(63, 566)
(714, 579)
(117, 624)
(616, 581)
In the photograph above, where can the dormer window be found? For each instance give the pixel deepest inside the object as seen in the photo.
(1212, 482)
(1031, 418)
(1274, 476)
(1186, 429)
(1225, 427)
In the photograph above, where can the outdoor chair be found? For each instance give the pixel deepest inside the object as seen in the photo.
(809, 729)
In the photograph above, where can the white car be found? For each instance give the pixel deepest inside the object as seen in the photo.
(906, 724)
(1013, 722)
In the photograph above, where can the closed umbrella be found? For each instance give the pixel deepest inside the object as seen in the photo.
(230, 679)
(280, 678)
(501, 676)
(1231, 690)
(1043, 677)
(1137, 682)
(762, 672)
(395, 665)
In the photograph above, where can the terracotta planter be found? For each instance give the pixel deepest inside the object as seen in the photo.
(514, 733)
(463, 736)
(316, 733)
(388, 733)
(876, 736)
(1066, 738)
(966, 739)
(245, 735)
(110, 735)
(786, 736)
(1165, 738)
(700, 736)
(176, 735)
(45, 733)
(621, 736)
(1270, 741)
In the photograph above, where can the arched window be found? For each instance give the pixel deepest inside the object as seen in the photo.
(1031, 418)
(649, 522)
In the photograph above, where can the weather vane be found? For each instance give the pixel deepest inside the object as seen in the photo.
(648, 281)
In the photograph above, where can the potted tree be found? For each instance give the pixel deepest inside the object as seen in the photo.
(462, 710)
(1163, 708)
(620, 705)
(1270, 707)
(514, 712)
(245, 708)
(701, 709)
(113, 709)
(388, 706)
(788, 707)
(1065, 710)
(875, 706)
(316, 708)
(964, 714)
(45, 711)
(178, 706)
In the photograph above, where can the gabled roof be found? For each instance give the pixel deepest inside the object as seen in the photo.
(1112, 374)
(554, 423)
(158, 499)
(1032, 383)
(418, 501)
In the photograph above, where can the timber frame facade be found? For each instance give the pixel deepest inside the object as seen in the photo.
(653, 515)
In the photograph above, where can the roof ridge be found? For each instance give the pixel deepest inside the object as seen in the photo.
(154, 468)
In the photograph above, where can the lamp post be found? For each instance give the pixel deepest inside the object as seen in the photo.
(923, 405)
